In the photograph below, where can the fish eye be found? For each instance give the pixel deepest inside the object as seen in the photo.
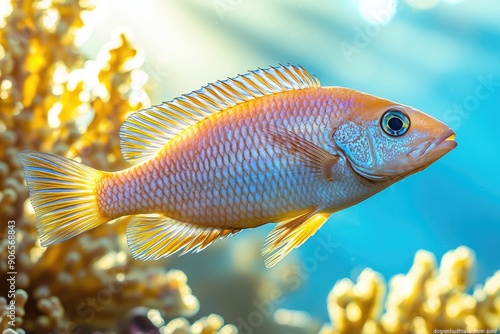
(395, 122)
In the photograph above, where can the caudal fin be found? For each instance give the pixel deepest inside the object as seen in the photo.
(63, 194)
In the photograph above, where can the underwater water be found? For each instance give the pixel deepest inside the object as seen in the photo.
(441, 57)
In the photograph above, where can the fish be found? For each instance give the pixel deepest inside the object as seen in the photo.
(268, 146)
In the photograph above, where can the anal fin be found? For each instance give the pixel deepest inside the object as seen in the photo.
(151, 237)
(290, 234)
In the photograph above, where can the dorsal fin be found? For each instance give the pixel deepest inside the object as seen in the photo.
(145, 132)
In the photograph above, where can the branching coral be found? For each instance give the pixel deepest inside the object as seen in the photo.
(425, 299)
(53, 100)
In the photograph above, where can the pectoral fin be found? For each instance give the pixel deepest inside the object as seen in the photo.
(308, 153)
(290, 234)
(151, 237)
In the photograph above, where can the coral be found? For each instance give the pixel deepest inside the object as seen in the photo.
(212, 324)
(425, 299)
(11, 313)
(54, 100)
(353, 307)
(238, 287)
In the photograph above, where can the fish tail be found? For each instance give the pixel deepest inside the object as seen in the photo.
(63, 194)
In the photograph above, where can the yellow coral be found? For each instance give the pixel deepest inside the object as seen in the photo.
(213, 324)
(52, 99)
(11, 313)
(352, 306)
(426, 299)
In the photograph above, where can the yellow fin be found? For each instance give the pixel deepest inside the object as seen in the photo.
(145, 132)
(151, 237)
(289, 235)
(62, 192)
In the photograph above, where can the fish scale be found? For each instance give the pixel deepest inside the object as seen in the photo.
(195, 194)
(221, 180)
(270, 145)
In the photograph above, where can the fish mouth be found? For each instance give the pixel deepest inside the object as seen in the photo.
(419, 158)
(434, 149)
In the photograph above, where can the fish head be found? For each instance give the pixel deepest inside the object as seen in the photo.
(384, 141)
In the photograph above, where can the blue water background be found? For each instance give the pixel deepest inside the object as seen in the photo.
(436, 60)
